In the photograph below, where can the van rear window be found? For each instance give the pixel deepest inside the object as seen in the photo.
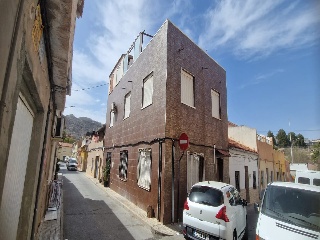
(316, 181)
(206, 195)
(304, 180)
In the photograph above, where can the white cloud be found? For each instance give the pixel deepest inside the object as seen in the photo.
(261, 78)
(254, 28)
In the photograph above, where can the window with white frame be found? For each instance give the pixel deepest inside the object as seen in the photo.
(112, 116)
(144, 169)
(127, 100)
(147, 91)
(187, 88)
(195, 169)
(215, 99)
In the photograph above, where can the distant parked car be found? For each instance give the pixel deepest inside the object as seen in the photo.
(214, 210)
(72, 164)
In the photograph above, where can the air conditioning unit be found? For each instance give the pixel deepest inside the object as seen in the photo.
(58, 126)
(113, 107)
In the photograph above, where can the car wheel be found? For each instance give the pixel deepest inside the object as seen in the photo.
(235, 235)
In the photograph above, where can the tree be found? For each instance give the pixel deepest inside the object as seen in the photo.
(316, 153)
(270, 134)
(282, 139)
(292, 138)
(300, 141)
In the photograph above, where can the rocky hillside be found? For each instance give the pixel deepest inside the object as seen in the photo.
(78, 127)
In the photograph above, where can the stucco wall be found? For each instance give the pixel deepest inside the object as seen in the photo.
(244, 135)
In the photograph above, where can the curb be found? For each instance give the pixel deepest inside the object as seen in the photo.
(156, 227)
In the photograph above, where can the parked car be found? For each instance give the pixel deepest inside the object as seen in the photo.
(72, 164)
(289, 211)
(214, 210)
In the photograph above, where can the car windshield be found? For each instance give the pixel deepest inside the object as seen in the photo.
(295, 206)
(73, 161)
(206, 195)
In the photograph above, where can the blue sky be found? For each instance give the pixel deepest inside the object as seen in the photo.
(269, 49)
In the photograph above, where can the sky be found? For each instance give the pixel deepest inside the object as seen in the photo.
(269, 49)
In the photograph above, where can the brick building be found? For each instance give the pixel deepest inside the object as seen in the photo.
(158, 91)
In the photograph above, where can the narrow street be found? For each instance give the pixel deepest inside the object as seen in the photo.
(90, 213)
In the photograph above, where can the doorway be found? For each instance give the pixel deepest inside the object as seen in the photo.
(246, 183)
(220, 169)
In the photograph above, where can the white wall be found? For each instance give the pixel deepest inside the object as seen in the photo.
(238, 160)
(244, 135)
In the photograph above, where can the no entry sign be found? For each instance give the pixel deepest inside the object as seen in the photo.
(183, 141)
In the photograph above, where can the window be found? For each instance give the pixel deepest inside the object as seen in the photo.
(206, 195)
(147, 91)
(123, 167)
(254, 180)
(127, 100)
(144, 169)
(304, 180)
(316, 182)
(215, 99)
(111, 118)
(187, 88)
(235, 198)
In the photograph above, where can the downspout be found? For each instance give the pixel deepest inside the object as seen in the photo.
(172, 194)
(51, 97)
(159, 178)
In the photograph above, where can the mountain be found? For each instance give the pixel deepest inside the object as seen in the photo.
(78, 127)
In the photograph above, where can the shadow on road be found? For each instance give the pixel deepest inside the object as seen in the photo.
(84, 218)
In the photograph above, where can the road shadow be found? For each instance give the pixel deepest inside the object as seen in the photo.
(85, 218)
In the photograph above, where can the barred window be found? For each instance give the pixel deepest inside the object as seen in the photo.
(123, 166)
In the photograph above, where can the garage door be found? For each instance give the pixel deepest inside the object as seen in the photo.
(16, 171)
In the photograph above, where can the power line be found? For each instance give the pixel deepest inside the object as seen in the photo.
(83, 89)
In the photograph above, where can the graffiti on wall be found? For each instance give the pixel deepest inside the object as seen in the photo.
(144, 169)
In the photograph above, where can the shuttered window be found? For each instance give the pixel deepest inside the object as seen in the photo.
(187, 89)
(127, 100)
(111, 118)
(147, 91)
(215, 99)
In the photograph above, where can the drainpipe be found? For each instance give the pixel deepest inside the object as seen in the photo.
(159, 178)
(172, 194)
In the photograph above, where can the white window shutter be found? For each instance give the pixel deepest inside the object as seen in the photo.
(187, 90)
(127, 103)
(215, 98)
(147, 91)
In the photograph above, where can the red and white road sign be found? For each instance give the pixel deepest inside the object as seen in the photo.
(184, 141)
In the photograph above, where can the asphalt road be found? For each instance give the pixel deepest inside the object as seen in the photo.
(90, 213)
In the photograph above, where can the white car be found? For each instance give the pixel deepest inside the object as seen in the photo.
(214, 210)
(72, 164)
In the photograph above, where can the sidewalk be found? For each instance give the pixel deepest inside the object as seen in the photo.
(156, 226)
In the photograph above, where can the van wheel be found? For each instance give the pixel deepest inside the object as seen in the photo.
(235, 235)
